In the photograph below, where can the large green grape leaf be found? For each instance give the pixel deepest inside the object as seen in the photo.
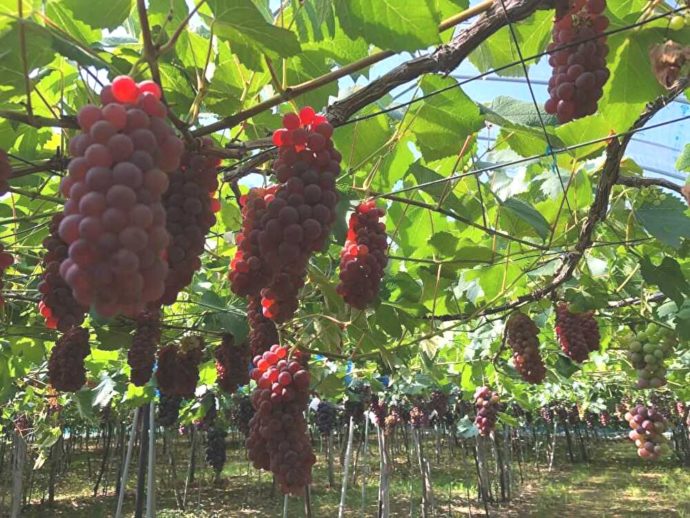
(57, 12)
(360, 141)
(668, 276)
(390, 24)
(241, 21)
(666, 220)
(108, 14)
(308, 64)
(627, 10)
(499, 50)
(445, 120)
(39, 53)
(515, 209)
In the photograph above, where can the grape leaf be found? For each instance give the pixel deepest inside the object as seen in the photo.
(527, 214)
(100, 15)
(666, 221)
(668, 276)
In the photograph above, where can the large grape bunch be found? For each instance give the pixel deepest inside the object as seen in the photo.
(215, 447)
(5, 172)
(6, 260)
(115, 223)
(523, 338)
(579, 70)
(278, 439)
(57, 305)
(232, 364)
(291, 221)
(142, 353)
(326, 417)
(578, 333)
(178, 367)
(647, 431)
(363, 257)
(486, 403)
(190, 205)
(648, 349)
(168, 410)
(262, 331)
(66, 371)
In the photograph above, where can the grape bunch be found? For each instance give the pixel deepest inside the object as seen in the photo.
(546, 413)
(605, 418)
(591, 420)
(681, 408)
(6, 260)
(523, 338)
(378, 410)
(142, 353)
(5, 172)
(215, 447)
(278, 439)
(285, 224)
(232, 364)
(438, 405)
(168, 410)
(363, 257)
(210, 409)
(393, 419)
(190, 206)
(242, 413)
(578, 333)
(66, 371)
(262, 331)
(115, 223)
(647, 431)
(647, 351)
(57, 306)
(326, 417)
(579, 71)
(419, 417)
(357, 399)
(486, 403)
(178, 367)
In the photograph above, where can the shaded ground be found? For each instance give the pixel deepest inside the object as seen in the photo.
(615, 484)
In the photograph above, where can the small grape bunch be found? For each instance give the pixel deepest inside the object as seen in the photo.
(326, 417)
(578, 333)
(419, 416)
(486, 403)
(232, 364)
(6, 260)
(605, 418)
(647, 351)
(178, 367)
(168, 410)
(523, 337)
(216, 447)
(66, 370)
(647, 431)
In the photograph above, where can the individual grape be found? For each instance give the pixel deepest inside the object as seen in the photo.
(284, 224)
(647, 431)
(578, 59)
(190, 216)
(363, 258)
(216, 448)
(142, 353)
(486, 403)
(66, 371)
(647, 351)
(232, 364)
(178, 367)
(577, 333)
(326, 417)
(117, 175)
(278, 439)
(168, 410)
(522, 334)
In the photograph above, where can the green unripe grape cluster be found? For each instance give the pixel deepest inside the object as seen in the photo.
(647, 351)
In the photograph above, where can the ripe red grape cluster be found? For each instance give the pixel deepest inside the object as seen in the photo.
(605, 418)
(647, 431)
(393, 419)
(363, 257)
(648, 349)
(523, 338)
(419, 417)
(178, 367)
(278, 439)
(5, 172)
(57, 306)
(168, 410)
(115, 223)
(579, 70)
(326, 417)
(66, 370)
(215, 447)
(142, 353)
(486, 403)
(378, 410)
(285, 224)
(578, 333)
(232, 364)
(190, 205)
(262, 331)
(438, 405)
(6, 260)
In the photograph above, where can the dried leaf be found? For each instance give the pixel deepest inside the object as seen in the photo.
(668, 62)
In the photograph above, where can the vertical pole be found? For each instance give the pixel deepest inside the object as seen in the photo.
(125, 468)
(151, 475)
(346, 469)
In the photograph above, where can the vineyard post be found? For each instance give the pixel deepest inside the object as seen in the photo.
(141, 468)
(17, 474)
(125, 468)
(151, 476)
(365, 462)
(346, 468)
